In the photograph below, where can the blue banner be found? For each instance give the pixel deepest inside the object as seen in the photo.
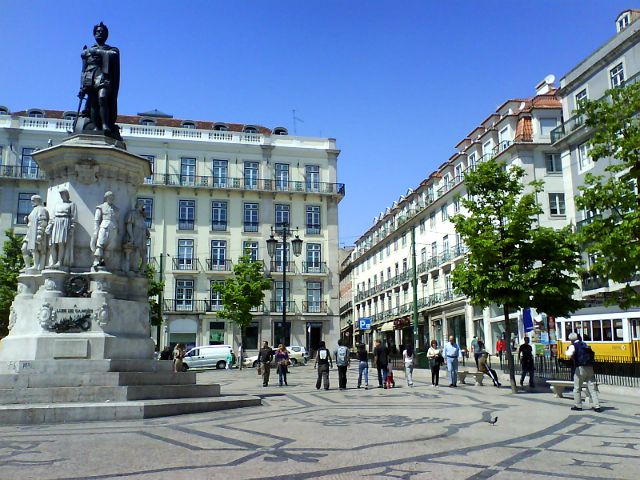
(527, 320)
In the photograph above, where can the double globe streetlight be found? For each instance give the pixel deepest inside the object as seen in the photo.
(283, 231)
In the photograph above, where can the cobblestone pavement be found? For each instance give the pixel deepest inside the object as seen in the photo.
(301, 433)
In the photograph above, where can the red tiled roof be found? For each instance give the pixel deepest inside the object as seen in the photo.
(524, 132)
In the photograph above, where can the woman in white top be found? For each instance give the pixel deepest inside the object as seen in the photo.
(409, 359)
(434, 354)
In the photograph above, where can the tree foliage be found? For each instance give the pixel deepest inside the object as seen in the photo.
(155, 289)
(242, 292)
(11, 262)
(612, 235)
(511, 260)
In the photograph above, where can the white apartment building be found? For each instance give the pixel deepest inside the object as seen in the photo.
(518, 132)
(614, 64)
(216, 191)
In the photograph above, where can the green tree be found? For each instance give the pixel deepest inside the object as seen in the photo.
(241, 293)
(612, 234)
(11, 262)
(155, 289)
(511, 261)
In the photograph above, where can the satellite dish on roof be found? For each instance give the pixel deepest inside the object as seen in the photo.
(549, 79)
(522, 105)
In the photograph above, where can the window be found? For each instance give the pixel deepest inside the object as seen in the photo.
(282, 176)
(423, 255)
(486, 148)
(623, 22)
(314, 258)
(251, 221)
(189, 125)
(404, 239)
(282, 216)
(250, 175)
(221, 127)
(423, 225)
(152, 164)
(584, 160)
(251, 335)
(616, 74)
(552, 160)
(434, 250)
(556, 203)
(218, 216)
(445, 244)
(388, 248)
(282, 294)
(24, 207)
(220, 172)
(313, 219)
(581, 96)
(458, 173)
(546, 125)
(218, 254)
(432, 220)
(184, 295)
(456, 205)
(395, 244)
(36, 114)
(186, 214)
(312, 177)
(472, 160)
(147, 122)
(250, 130)
(314, 297)
(29, 168)
(279, 257)
(251, 249)
(185, 254)
(216, 304)
(148, 210)
(187, 171)
(444, 215)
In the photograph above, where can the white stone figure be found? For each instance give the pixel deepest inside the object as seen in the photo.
(135, 239)
(35, 241)
(61, 231)
(105, 234)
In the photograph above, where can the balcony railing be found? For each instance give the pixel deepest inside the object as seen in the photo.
(14, 171)
(593, 281)
(314, 307)
(276, 266)
(314, 267)
(186, 264)
(313, 229)
(277, 306)
(185, 224)
(184, 305)
(219, 225)
(251, 226)
(217, 265)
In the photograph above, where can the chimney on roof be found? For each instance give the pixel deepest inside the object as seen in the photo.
(545, 85)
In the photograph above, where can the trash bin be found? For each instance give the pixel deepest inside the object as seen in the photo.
(421, 360)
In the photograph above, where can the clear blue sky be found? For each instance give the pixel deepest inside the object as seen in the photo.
(397, 83)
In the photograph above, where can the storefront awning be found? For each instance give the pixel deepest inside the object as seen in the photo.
(387, 327)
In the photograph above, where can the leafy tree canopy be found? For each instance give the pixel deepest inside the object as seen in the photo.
(11, 262)
(155, 288)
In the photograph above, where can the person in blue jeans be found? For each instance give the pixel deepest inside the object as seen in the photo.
(363, 366)
(451, 351)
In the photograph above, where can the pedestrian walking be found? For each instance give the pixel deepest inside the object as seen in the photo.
(381, 360)
(501, 347)
(483, 366)
(409, 360)
(583, 359)
(474, 348)
(451, 353)
(229, 360)
(525, 352)
(323, 363)
(363, 366)
(342, 362)
(178, 356)
(264, 363)
(282, 362)
(434, 355)
(389, 381)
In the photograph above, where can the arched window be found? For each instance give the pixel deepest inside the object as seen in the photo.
(35, 113)
(147, 122)
(221, 127)
(280, 131)
(4, 110)
(250, 129)
(189, 124)
(69, 115)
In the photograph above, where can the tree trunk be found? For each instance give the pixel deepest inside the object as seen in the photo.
(507, 332)
(241, 348)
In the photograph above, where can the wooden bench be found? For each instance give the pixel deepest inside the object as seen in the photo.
(559, 386)
(479, 376)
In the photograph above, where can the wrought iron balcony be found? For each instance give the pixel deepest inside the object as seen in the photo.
(186, 264)
(251, 226)
(314, 267)
(16, 171)
(219, 225)
(278, 305)
(184, 305)
(218, 265)
(276, 266)
(314, 307)
(186, 224)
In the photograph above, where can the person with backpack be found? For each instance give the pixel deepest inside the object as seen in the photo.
(583, 359)
(363, 366)
(381, 360)
(342, 362)
(323, 363)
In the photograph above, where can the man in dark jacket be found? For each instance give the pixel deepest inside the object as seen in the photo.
(264, 362)
(381, 359)
(525, 352)
(323, 363)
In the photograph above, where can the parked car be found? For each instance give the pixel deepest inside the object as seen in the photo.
(207, 356)
(296, 356)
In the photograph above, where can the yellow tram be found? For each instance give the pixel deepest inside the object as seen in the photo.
(610, 334)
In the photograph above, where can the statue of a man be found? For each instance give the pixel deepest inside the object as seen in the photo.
(135, 239)
(105, 233)
(100, 81)
(35, 241)
(61, 231)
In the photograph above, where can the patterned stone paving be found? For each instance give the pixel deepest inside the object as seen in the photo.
(301, 433)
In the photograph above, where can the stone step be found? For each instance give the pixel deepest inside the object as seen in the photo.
(85, 366)
(79, 412)
(37, 380)
(104, 393)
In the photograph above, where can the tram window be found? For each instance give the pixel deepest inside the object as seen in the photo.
(584, 331)
(617, 330)
(597, 330)
(606, 330)
(635, 329)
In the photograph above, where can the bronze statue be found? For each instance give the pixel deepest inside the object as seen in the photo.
(100, 82)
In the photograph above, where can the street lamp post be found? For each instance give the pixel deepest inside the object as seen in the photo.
(296, 244)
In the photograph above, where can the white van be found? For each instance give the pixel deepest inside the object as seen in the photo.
(207, 356)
